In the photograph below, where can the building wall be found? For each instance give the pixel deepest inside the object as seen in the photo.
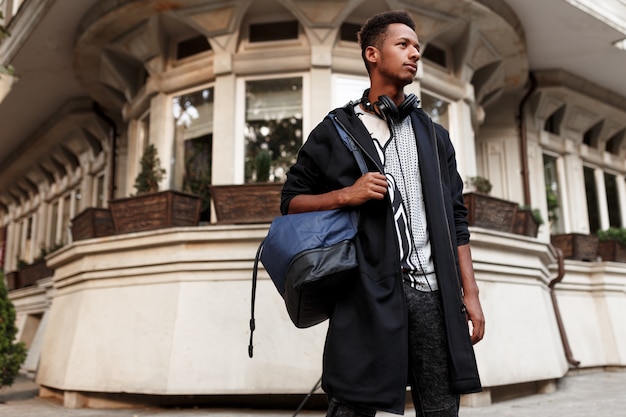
(166, 312)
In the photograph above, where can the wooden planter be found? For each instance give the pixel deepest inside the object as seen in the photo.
(155, 211)
(490, 212)
(577, 246)
(92, 222)
(612, 250)
(30, 274)
(13, 280)
(525, 223)
(247, 203)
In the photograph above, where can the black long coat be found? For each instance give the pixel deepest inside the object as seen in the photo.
(366, 351)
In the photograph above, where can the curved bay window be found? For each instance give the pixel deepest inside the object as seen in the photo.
(273, 129)
(193, 138)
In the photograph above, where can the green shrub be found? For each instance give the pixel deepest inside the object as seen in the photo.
(12, 353)
(151, 173)
(480, 184)
(613, 233)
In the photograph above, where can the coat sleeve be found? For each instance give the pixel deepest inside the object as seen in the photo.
(324, 164)
(455, 188)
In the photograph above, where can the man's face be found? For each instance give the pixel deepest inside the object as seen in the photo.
(397, 55)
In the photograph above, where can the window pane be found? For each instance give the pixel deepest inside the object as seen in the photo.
(274, 31)
(437, 109)
(192, 46)
(67, 202)
(348, 88)
(100, 197)
(435, 54)
(54, 217)
(28, 235)
(197, 178)
(592, 199)
(273, 130)
(349, 32)
(553, 194)
(193, 116)
(612, 199)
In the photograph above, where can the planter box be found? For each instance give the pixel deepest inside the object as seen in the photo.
(525, 223)
(13, 280)
(92, 222)
(612, 250)
(155, 211)
(490, 212)
(30, 274)
(577, 246)
(247, 203)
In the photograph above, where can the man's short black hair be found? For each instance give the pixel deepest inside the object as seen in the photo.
(373, 31)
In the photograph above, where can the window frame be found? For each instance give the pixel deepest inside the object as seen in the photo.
(245, 45)
(179, 148)
(239, 153)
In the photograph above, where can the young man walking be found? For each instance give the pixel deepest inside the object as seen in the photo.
(405, 320)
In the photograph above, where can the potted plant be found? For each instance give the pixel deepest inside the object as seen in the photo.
(486, 211)
(151, 209)
(612, 244)
(258, 202)
(527, 221)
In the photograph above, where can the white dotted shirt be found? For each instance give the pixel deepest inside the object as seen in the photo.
(398, 153)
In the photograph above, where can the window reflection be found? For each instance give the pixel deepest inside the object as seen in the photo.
(552, 194)
(193, 124)
(437, 109)
(273, 131)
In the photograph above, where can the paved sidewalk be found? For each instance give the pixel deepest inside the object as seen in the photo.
(588, 394)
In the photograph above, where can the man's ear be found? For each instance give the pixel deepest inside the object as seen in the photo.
(372, 54)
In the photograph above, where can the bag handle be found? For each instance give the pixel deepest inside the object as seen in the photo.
(350, 143)
(253, 297)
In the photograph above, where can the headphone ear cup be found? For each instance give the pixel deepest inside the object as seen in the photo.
(410, 102)
(387, 108)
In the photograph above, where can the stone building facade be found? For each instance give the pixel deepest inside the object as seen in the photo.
(213, 85)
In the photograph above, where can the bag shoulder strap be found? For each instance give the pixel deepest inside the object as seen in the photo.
(350, 143)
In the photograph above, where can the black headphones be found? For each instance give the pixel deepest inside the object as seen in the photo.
(385, 108)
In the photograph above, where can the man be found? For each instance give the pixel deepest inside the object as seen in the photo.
(405, 320)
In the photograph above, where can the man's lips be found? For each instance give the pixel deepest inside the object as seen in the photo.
(412, 67)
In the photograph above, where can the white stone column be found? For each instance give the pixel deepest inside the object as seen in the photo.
(133, 153)
(603, 208)
(161, 136)
(464, 138)
(320, 98)
(572, 183)
(621, 196)
(227, 148)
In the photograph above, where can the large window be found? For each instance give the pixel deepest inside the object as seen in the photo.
(553, 194)
(273, 129)
(612, 199)
(99, 196)
(193, 125)
(592, 199)
(63, 210)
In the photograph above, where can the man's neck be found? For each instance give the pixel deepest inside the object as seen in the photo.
(394, 93)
